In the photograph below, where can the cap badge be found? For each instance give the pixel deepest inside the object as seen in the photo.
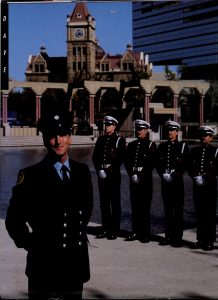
(20, 177)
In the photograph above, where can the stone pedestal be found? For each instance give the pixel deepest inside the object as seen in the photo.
(7, 129)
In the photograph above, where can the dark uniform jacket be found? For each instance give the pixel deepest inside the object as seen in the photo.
(172, 157)
(204, 161)
(140, 159)
(49, 220)
(109, 153)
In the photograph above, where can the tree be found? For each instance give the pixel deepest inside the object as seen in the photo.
(170, 75)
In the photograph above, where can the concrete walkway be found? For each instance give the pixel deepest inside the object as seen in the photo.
(121, 269)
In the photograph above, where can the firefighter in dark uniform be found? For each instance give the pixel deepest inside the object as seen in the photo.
(172, 158)
(203, 169)
(49, 210)
(139, 163)
(108, 156)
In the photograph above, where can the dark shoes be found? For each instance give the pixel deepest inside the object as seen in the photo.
(173, 243)
(197, 245)
(144, 239)
(203, 246)
(177, 243)
(207, 247)
(165, 242)
(134, 237)
(131, 237)
(106, 234)
(102, 235)
(111, 236)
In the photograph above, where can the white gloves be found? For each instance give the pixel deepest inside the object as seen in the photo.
(135, 178)
(199, 180)
(167, 177)
(102, 174)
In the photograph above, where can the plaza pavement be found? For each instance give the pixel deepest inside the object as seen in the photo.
(126, 270)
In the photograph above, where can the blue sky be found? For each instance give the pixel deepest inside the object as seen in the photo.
(33, 24)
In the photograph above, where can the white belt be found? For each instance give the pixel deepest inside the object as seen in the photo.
(105, 166)
(170, 171)
(137, 169)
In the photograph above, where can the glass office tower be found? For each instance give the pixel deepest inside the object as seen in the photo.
(179, 33)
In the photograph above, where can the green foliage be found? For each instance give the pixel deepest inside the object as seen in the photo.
(169, 74)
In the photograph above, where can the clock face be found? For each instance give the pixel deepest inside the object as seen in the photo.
(79, 33)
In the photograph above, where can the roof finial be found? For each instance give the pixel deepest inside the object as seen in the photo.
(42, 49)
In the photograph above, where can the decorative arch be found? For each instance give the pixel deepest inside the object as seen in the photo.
(21, 107)
(149, 87)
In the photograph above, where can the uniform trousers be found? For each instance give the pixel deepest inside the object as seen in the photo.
(173, 200)
(140, 197)
(205, 198)
(44, 288)
(54, 275)
(110, 202)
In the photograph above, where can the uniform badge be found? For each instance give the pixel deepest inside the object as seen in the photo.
(20, 178)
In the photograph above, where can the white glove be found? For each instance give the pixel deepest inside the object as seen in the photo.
(102, 174)
(167, 177)
(199, 180)
(135, 178)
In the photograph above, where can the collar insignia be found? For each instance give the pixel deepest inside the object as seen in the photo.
(20, 178)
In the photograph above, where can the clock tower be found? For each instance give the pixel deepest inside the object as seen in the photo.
(81, 42)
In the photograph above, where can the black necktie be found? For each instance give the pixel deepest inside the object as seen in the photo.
(64, 171)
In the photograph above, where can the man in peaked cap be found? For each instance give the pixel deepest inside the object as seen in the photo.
(57, 123)
(139, 163)
(49, 210)
(172, 125)
(110, 120)
(172, 158)
(203, 169)
(205, 131)
(108, 156)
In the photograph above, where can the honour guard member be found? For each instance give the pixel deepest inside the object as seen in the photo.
(49, 210)
(108, 156)
(172, 157)
(203, 169)
(139, 163)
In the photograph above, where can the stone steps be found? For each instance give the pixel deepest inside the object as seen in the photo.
(30, 141)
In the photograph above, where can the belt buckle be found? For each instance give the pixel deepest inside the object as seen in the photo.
(137, 169)
(105, 166)
(170, 171)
